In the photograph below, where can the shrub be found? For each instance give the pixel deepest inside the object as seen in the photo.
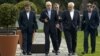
(7, 1)
(21, 4)
(40, 5)
(8, 15)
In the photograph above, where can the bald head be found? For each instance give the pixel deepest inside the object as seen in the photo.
(71, 5)
(48, 5)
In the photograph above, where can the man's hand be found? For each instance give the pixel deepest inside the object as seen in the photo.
(57, 26)
(36, 30)
(59, 17)
(46, 20)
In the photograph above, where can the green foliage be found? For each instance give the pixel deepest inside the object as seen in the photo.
(39, 2)
(78, 4)
(8, 15)
(7, 1)
(40, 5)
(21, 4)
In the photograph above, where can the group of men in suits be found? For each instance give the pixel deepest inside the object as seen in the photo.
(54, 22)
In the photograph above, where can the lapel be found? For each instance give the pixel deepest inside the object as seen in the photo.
(25, 15)
(46, 12)
(30, 15)
(51, 14)
(69, 15)
(74, 15)
(90, 16)
(87, 15)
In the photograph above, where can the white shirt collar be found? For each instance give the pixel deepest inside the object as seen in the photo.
(49, 13)
(89, 15)
(72, 14)
(28, 14)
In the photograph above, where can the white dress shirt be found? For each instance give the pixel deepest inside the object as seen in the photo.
(49, 14)
(28, 14)
(89, 15)
(72, 14)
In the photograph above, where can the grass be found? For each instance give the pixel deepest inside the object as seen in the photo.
(80, 40)
(40, 31)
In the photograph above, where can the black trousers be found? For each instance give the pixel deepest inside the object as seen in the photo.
(92, 37)
(71, 39)
(27, 40)
(96, 32)
(53, 36)
(59, 33)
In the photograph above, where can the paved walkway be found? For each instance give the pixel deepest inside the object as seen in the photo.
(39, 39)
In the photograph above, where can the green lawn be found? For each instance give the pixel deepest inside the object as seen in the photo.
(80, 45)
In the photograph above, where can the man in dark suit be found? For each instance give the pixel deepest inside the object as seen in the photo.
(95, 7)
(28, 25)
(58, 24)
(71, 21)
(49, 18)
(91, 22)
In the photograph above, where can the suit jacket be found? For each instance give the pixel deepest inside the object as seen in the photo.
(68, 23)
(27, 24)
(93, 22)
(51, 21)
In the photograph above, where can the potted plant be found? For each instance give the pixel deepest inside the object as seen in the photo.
(8, 37)
(20, 7)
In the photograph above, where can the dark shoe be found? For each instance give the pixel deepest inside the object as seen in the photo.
(70, 54)
(56, 53)
(84, 53)
(29, 53)
(46, 54)
(73, 53)
(24, 53)
(92, 52)
(53, 51)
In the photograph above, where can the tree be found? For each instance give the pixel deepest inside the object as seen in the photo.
(83, 5)
(40, 5)
(7, 1)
